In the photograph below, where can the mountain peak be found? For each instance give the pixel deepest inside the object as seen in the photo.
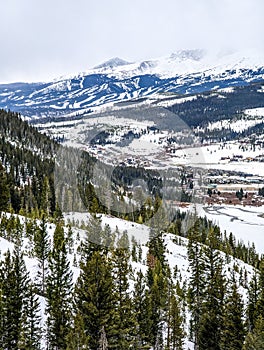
(195, 55)
(113, 62)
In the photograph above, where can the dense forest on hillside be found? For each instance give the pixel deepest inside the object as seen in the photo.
(214, 105)
(26, 166)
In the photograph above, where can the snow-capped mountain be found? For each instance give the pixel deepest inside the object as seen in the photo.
(112, 63)
(183, 72)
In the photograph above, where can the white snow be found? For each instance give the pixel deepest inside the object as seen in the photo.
(210, 157)
(176, 250)
(139, 232)
(182, 63)
(244, 222)
(174, 101)
(256, 112)
(241, 124)
(226, 90)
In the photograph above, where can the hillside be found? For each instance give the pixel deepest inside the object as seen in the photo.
(167, 260)
(27, 166)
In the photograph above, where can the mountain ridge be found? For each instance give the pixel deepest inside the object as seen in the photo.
(183, 72)
(112, 62)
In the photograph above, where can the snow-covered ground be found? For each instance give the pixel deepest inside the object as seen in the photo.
(246, 223)
(80, 133)
(252, 118)
(152, 146)
(212, 157)
(139, 232)
(176, 250)
(255, 112)
(174, 101)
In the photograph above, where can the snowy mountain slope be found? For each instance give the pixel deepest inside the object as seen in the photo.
(176, 255)
(112, 63)
(188, 71)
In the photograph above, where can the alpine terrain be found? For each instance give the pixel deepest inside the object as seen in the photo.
(132, 206)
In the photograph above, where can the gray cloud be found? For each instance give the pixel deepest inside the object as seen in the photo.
(45, 39)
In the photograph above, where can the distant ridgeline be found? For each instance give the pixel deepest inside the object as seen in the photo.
(115, 82)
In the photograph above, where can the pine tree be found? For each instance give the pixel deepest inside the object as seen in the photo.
(196, 282)
(45, 196)
(77, 339)
(157, 249)
(255, 339)
(69, 240)
(157, 280)
(253, 294)
(4, 190)
(176, 334)
(108, 238)
(142, 311)
(233, 331)
(18, 232)
(59, 292)
(260, 302)
(58, 215)
(125, 321)
(42, 251)
(31, 326)
(158, 291)
(93, 240)
(95, 301)
(14, 281)
(212, 305)
(5, 271)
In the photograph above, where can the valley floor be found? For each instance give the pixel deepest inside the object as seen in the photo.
(246, 223)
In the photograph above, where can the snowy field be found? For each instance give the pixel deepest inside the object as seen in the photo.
(139, 232)
(246, 223)
(211, 157)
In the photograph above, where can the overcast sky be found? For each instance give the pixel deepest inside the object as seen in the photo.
(43, 39)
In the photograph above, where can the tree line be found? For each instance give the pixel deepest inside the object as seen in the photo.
(113, 306)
